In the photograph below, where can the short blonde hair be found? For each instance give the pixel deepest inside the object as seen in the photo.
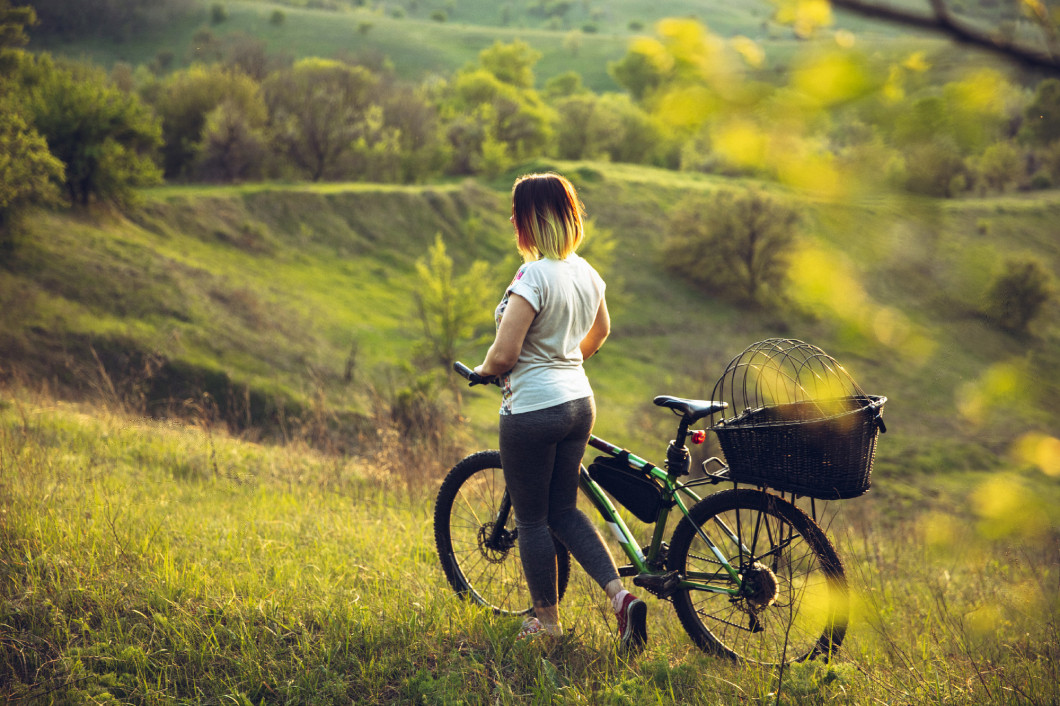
(547, 215)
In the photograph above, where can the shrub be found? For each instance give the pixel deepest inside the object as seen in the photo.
(733, 244)
(218, 13)
(1000, 167)
(1018, 294)
(932, 168)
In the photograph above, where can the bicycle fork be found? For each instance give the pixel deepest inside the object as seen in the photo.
(498, 538)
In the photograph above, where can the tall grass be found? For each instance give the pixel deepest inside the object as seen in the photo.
(150, 562)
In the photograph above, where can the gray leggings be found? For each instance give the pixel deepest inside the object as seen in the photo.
(541, 452)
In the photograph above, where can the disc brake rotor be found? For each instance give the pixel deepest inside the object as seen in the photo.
(494, 552)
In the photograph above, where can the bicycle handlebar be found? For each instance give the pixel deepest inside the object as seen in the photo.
(474, 378)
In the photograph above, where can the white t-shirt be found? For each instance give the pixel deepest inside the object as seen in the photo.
(566, 295)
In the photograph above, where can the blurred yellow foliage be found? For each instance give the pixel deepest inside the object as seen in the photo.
(824, 281)
(1002, 385)
(832, 77)
(685, 109)
(916, 62)
(1037, 10)
(845, 38)
(1006, 507)
(750, 50)
(1039, 450)
(741, 142)
(939, 530)
(985, 91)
(814, 172)
(806, 16)
(655, 52)
(984, 620)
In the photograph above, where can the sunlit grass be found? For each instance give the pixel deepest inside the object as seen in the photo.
(150, 562)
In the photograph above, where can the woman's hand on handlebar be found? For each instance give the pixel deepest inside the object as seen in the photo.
(473, 376)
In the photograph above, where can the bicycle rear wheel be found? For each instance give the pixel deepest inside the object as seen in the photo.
(793, 604)
(482, 564)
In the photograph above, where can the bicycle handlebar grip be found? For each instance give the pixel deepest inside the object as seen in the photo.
(472, 377)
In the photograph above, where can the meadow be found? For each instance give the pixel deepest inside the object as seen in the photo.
(153, 562)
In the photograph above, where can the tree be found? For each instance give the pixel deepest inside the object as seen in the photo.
(114, 19)
(453, 309)
(422, 148)
(941, 16)
(105, 137)
(28, 171)
(13, 23)
(576, 133)
(608, 126)
(630, 133)
(638, 72)
(492, 122)
(999, 167)
(186, 99)
(232, 147)
(317, 112)
(935, 168)
(568, 83)
(1018, 294)
(511, 63)
(733, 244)
(1041, 121)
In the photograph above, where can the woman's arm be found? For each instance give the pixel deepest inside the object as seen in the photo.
(598, 333)
(503, 354)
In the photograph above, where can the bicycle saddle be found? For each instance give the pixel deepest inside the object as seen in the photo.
(691, 409)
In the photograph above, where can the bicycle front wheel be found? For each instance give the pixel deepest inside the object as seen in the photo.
(477, 540)
(789, 601)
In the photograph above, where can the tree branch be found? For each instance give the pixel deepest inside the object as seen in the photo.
(944, 22)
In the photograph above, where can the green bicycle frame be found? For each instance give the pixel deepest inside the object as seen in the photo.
(672, 491)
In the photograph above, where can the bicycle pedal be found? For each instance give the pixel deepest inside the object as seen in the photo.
(659, 585)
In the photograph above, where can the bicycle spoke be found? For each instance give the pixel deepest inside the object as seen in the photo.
(481, 559)
(786, 603)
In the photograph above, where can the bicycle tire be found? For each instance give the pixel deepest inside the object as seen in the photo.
(465, 509)
(795, 604)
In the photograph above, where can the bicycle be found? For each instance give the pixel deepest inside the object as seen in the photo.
(750, 575)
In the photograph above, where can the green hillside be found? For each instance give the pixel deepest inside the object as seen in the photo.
(418, 47)
(284, 300)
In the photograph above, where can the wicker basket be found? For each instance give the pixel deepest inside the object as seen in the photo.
(806, 427)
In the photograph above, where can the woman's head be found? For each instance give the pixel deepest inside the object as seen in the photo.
(547, 216)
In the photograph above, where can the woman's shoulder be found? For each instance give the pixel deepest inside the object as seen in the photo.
(584, 265)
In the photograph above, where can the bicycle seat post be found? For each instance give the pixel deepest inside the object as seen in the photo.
(677, 457)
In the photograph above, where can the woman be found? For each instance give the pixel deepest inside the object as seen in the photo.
(552, 317)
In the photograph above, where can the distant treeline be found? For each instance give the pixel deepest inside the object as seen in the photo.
(113, 19)
(240, 113)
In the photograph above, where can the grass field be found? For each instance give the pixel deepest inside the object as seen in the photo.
(151, 563)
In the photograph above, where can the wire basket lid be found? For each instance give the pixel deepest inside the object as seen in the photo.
(789, 373)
